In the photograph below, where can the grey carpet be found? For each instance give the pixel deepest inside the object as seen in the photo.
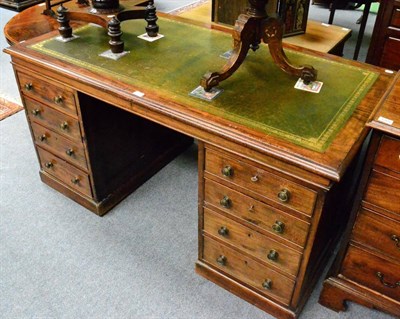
(57, 260)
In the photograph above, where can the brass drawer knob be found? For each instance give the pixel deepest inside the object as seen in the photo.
(28, 86)
(223, 231)
(284, 195)
(35, 112)
(254, 178)
(396, 239)
(58, 99)
(226, 202)
(69, 152)
(386, 284)
(75, 180)
(222, 260)
(49, 165)
(267, 284)
(227, 171)
(273, 255)
(42, 137)
(64, 125)
(278, 227)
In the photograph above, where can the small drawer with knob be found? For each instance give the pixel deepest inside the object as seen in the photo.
(252, 242)
(59, 122)
(388, 154)
(71, 176)
(67, 149)
(274, 221)
(256, 180)
(247, 270)
(384, 231)
(59, 97)
(372, 270)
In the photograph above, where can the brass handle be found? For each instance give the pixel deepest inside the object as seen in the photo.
(75, 180)
(48, 165)
(396, 239)
(42, 137)
(64, 125)
(227, 171)
(273, 255)
(58, 99)
(36, 112)
(28, 86)
(278, 227)
(223, 231)
(69, 152)
(254, 178)
(386, 284)
(222, 260)
(267, 284)
(284, 195)
(226, 202)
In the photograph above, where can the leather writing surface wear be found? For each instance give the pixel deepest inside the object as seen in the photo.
(176, 63)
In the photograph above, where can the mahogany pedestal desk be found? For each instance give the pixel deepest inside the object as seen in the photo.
(367, 268)
(275, 163)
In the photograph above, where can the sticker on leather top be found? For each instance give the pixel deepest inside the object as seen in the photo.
(313, 86)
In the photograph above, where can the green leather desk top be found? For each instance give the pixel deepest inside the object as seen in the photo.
(259, 95)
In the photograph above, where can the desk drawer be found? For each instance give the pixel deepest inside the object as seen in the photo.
(388, 155)
(61, 98)
(58, 122)
(248, 271)
(271, 219)
(372, 271)
(254, 243)
(376, 231)
(62, 147)
(383, 191)
(254, 179)
(69, 175)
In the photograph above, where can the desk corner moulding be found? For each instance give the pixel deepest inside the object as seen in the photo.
(276, 165)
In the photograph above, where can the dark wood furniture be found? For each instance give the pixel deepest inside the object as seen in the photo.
(294, 13)
(367, 268)
(18, 5)
(385, 43)
(270, 211)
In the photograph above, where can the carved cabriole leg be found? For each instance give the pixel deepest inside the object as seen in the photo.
(151, 18)
(272, 35)
(114, 31)
(63, 20)
(244, 35)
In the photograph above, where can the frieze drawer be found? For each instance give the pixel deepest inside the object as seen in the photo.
(267, 185)
(388, 155)
(61, 98)
(252, 242)
(59, 122)
(68, 174)
(249, 271)
(372, 271)
(62, 147)
(276, 222)
(383, 191)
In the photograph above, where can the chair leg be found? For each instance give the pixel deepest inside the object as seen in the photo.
(362, 29)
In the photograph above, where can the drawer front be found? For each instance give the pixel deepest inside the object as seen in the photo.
(383, 191)
(69, 175)
(60, 146)
(248, 271)
(252, 242)
(61, 98)
(59, 122)
(372, 271)
(271, 219)
(388, 154)
(395, 22)
(378, 232)
(268, 185)
(390, 56)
